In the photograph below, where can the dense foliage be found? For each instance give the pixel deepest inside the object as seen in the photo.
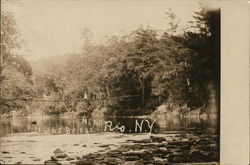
(15, 72)
(135, 73)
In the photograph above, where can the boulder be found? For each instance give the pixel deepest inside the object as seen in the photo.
(36, 159)
(137, 147)
(54, 158)
(178, 158)
(104, 145)
(140, 154)
(58, 151)
(112, 161)
(143, 162)
(84, 162)
(78, 158)
(180, 143)
(114, 153)
(197, 156)
(143, 141)
(51, 162)
(212, 156)
(70, 158)
(147, 157)
(92, 156)
(203, 142)
(157, 139)
(131, 158)
(5, 152)
(162, 152)
(62, 155)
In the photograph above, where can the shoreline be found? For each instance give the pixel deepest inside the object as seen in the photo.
(37, 148)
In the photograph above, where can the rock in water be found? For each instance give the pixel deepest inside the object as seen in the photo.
(203, 142)
(104, 145)
(180, 158)
(131, 158)
(54, 158)
(84, 162)
(143, 141)
(140, 154)
(5, 152)
(197, 156)
(69, 159)
(58, 151)
(51, 162)
(62, 155)
(34, 122)
(157, 139)
(36, 159)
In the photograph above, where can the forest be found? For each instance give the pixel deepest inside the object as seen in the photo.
(128, 75)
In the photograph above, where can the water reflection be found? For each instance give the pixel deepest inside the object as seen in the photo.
(56, 125)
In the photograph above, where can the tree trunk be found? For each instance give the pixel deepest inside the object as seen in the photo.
(141, 80)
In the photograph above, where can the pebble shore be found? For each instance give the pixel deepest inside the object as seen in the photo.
(188, 148)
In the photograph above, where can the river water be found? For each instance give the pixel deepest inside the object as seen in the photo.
(34, 140)
(81, 125)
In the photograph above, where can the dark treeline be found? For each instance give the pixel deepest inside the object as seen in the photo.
(135, 73)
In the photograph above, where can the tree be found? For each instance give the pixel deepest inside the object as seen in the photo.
(205, 70)
(133, 74)
(15, 71)
(173, 22)
(152, 67)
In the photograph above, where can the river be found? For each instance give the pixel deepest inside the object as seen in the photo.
(33, 140)
(74, 125)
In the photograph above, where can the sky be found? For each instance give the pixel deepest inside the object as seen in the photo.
(53, 27)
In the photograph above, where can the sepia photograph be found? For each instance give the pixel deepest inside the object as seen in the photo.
(110, 82)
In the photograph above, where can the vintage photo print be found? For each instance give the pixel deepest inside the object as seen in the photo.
(110, 82)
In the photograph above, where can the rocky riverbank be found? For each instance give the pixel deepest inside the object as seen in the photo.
(189, 148)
